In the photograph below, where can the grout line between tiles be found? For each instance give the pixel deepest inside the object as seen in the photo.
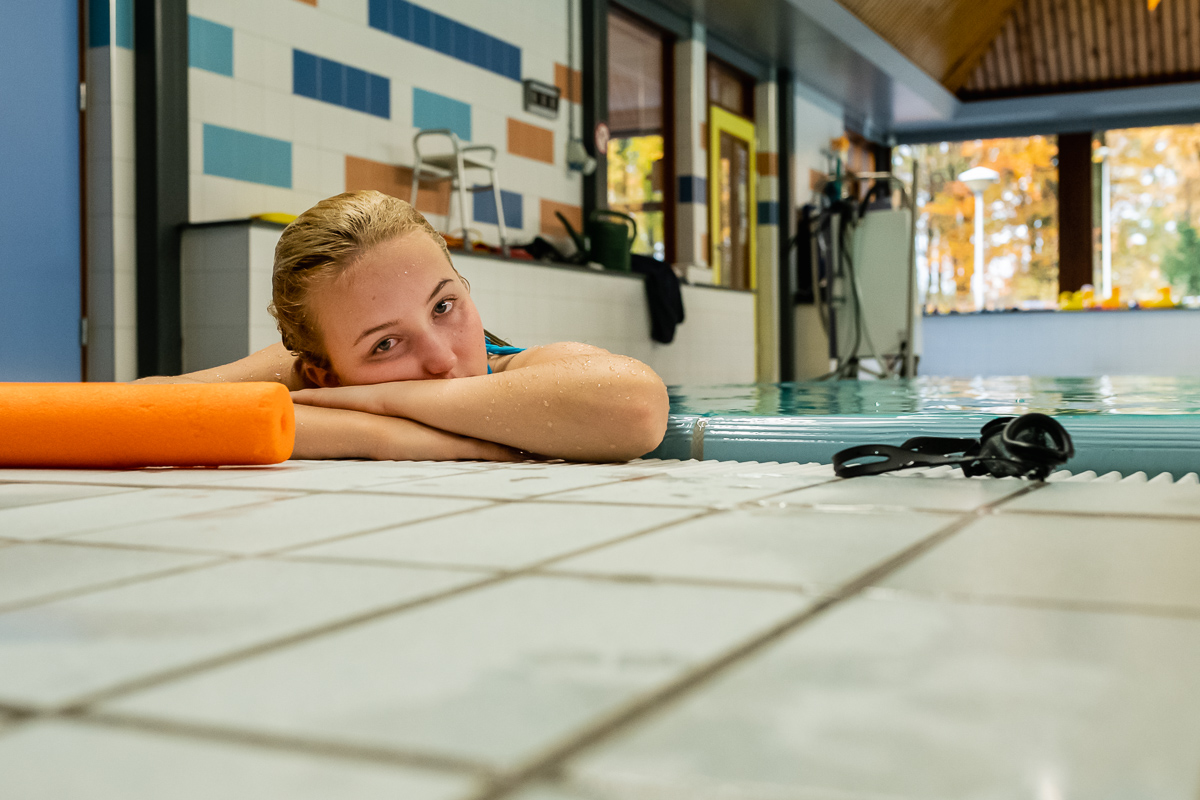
(554, 758)
(64, 594)
(677, 580)
(277, 741)
(1142, 516)
(1047, 603)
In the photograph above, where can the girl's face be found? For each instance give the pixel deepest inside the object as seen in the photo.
(398, 313)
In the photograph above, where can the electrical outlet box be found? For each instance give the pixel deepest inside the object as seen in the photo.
(541, 98)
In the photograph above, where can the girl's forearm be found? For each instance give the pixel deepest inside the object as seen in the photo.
(594, 408)
(342, 433)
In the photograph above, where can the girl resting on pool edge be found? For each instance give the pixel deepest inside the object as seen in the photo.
(384, 352)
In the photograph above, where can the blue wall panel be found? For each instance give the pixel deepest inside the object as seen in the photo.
(40, 304)
(429, 29)
(230, 153)
(431, 110)
(340, 84)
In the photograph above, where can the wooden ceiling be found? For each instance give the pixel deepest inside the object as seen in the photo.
(985, 49)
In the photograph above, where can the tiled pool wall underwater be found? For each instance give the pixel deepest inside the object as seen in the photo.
(1122, 424)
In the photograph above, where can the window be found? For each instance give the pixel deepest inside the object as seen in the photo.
(640, 177)
(730, 88)
(1019, 260)
(1149, 213)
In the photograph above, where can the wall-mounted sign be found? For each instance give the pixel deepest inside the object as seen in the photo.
(602, 137)
(541, 98)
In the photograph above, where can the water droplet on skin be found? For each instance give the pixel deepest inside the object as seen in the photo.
(545, 402)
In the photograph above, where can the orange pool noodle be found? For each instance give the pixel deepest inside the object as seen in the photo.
(117, 425)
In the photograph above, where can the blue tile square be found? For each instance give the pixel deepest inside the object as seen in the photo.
(443, 34)
(230, 153)
(432, 110)
(356, 89)
(401, 19)
(768, 212)
(98, 28)
(497, 57)
(332, 85)
(124, 35)
(304, 74)
(210, 46)
(462, 42)
(379, 96)
(485, 207)
(477, 44)
(379, 14)
(422, 26)
(514, 62)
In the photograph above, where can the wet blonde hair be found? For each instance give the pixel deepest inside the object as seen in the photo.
(319, 245)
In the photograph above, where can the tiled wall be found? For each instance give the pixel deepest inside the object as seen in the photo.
(691, 158)
(111, 248)
(766, 128)
(291, 102)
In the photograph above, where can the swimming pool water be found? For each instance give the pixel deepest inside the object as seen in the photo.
(1126, 424)
(994, 396)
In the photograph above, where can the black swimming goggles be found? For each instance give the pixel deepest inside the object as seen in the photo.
(1028, 446)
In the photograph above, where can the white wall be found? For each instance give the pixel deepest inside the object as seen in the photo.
(530, 304)
(1063, 344)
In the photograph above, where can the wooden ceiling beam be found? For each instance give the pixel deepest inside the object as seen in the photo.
(961, 69)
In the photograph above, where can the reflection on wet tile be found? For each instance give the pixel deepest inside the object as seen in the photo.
(119, 764)
(882, 491)
(495, 674)
(718, 490)
(503, 536)
(924, 699)
(31, 571)
(53, 653)
(355, 476)
(1143, 500)
(811, 549)
(1093, 559)
(286, 523)
(509, 483)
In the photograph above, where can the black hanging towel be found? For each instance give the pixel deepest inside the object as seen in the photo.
(662, 295)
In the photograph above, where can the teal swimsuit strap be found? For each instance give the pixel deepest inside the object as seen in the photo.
(497, 350)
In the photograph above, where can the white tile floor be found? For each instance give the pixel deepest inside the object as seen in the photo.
(593, 632)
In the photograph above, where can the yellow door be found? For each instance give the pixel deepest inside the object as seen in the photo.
(732, 204)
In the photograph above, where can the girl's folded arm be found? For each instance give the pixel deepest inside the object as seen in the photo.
(565, 400)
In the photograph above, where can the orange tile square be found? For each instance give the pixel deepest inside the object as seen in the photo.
(550, 223)
(530, 141)
(433, 197)
(312, 3)
(768, 164)
(571, 89)
(703, 135)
